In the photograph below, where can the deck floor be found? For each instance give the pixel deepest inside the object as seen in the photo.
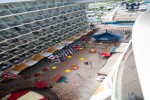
(81, 83)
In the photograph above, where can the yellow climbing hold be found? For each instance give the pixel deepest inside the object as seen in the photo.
(69, 57)
(100, 43)
(82, 58)
(54, 67)
(67, 71)
(80, 48)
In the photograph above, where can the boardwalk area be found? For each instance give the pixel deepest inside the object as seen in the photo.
(80, 83)
(82, 80)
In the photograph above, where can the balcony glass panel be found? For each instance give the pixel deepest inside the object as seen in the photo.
(71, 16)
(26, 56)
(42, 47)
(51, 5)
(46, 20)
(44, 39)
(66, 3)
(52, 22)
(16, 60)
(3, 46)
(50, 30)
(27, 30)
(4, 12)
(44, 24)
(48, 39)
(7, 45)
(47, 15)
(27, 20)
(45, 30)
(55, 13)
(48, 44)
(35, 51)
(72, 2)
(22, 32)
(31, 25)
(5, 56)
(39, 17)
(19, 10)
(2, 26)
(44, 34)
(34, 28)
(31, 8)
(59, 4)
(63, 12)
(80, 8)
(37, 33)
(59, 20)
(38, 42)
(43, 6)
(15, 23)
(69, 10)
(28, 46)
(2, 38)
(16, 40)
(9, 34)
(5, 66)
(84, 7)
(35, 37)
(21, 41)
(17, 51)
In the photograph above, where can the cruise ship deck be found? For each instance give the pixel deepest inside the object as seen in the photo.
(51, 41)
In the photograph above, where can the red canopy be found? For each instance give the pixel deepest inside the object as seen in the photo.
(84, 39)
(43, 99)
(105, 54)
(24, 95)
(41, 84)
(77, 47)
(17, 95)
(8, 75)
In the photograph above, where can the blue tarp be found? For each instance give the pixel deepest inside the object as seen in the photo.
(108, 36)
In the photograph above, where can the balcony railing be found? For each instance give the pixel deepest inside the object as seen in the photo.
(18, 10)
(51, 5)
(66, 3)
(63, 12)
(6, 46)
(5, 66)
(42, 47)
(4, 12)
(27, 20)
(2, 26)
(15, 23)
(17, 51)
(55, 13)
(5, 56)
(10, 35)
(26, 55)
(27, 47)
(59, 4)
(38, 17)
(24, 31)
(38, 42)
(43, 6)
(31, 8)
(16, 60)
(35, 51)
(47, 15)
(2, 38)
